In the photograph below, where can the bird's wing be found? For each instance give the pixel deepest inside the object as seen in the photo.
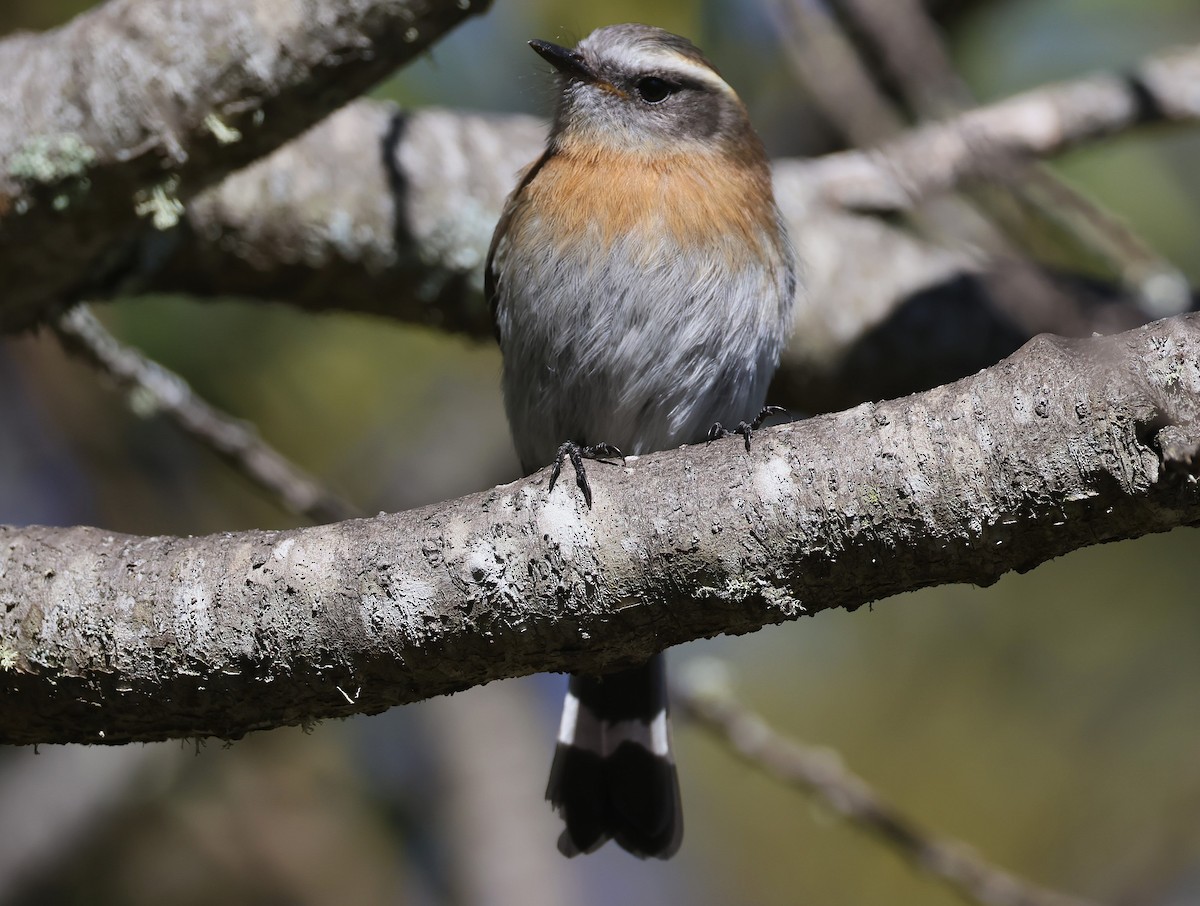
(491, 278)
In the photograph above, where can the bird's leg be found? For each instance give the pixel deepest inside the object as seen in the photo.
(577, 453)
(746, 429)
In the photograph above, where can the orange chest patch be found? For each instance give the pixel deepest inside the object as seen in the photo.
(697, 201)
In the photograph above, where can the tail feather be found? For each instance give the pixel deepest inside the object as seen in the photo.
(613, 775)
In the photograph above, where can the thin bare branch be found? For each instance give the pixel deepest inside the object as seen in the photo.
(918, 63)
(153, 389)
(708, 702)
(1040, 123)
(829, 67)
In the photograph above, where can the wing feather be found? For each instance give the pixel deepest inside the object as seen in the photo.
(491, 276)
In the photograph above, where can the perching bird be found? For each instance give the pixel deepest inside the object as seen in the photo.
(641, 282)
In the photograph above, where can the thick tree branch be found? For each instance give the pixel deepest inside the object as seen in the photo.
(377, 210)
(134, 106)
(107, 637)
(374, 210)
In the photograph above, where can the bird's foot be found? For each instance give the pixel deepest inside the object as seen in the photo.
(576, 453)
(745, 429)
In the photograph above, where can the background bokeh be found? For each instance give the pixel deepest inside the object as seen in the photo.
(1051, 720)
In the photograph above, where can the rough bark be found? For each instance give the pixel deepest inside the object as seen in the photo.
(113, 638)
(133, 107)
(375, 210)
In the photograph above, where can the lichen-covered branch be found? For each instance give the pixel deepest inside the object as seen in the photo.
(111, 638)
(133, 107)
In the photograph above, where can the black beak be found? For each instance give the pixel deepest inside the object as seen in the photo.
(568, 62)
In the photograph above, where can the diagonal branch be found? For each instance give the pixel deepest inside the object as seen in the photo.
(821, 773)
(113, 638)
(157, 389)
(918, 63)
(159, 99)
(1039, 123)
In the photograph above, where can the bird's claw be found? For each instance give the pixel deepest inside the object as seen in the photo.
(576, 453)
(745, 429)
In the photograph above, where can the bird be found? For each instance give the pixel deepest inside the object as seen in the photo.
(641, 283)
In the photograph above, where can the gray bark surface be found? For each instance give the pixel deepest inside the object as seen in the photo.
(131, 108)
(113, 638)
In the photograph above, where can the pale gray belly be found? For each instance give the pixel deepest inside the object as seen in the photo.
(644, 361)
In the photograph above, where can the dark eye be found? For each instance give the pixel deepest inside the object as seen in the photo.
(653, 90)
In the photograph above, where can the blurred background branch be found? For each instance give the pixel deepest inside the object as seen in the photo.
(915, 62)
(704, 697)
(150, 389)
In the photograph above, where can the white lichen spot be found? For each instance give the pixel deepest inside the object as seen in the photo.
(455, 535)
(918, 486)
(773, 481)
(460, 243)
(399, 615)
(483, 564)
(487, 567)
(143, 401)
(49, 159)
(160, 204)
(222, 131)
(283, 548)
(193, 626)
(8, 657)
(565, 524)
(1022, 409)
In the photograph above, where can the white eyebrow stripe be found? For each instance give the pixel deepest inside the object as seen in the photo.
(669, 62)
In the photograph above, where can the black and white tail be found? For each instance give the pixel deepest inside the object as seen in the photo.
(613, 775)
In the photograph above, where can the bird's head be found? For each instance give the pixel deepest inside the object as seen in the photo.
(636, 88)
